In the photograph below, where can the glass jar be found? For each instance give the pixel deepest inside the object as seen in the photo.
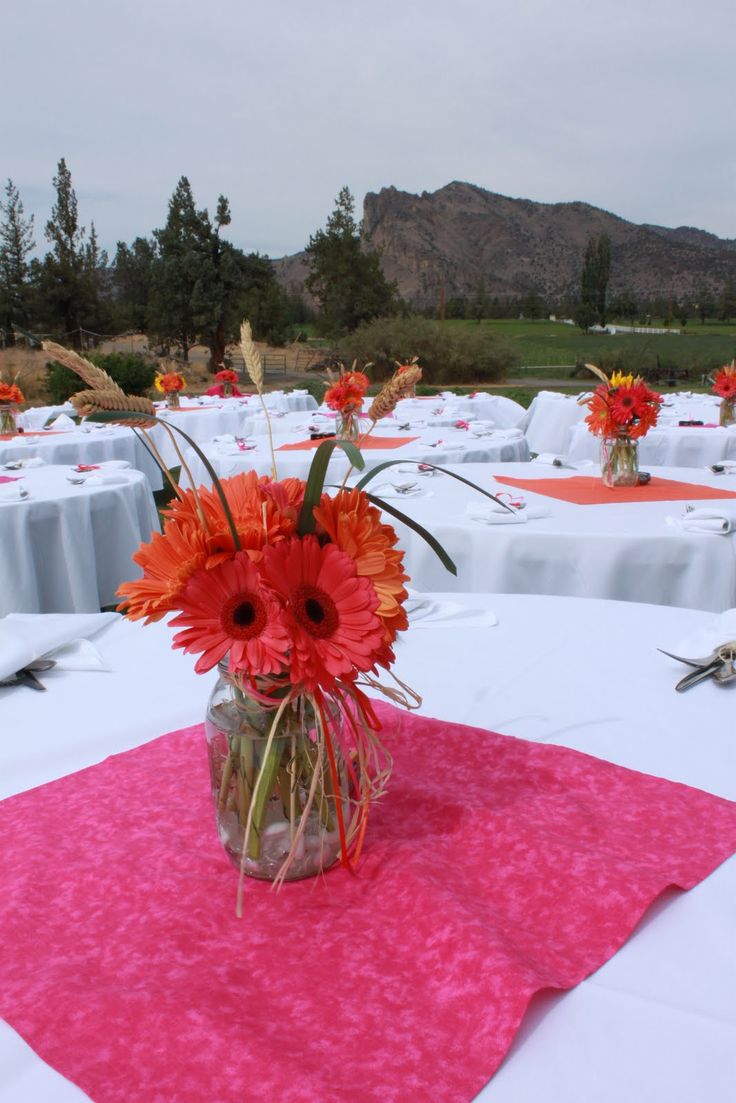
(728, 411)
(619, 460)
(266, 783)
(172, 400)
(7, 419)
(347, 426)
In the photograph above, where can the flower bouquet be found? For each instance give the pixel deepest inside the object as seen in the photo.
(170, 384)
(621, 410)
(296, 594)
(346, 395)
(11, 397)
(226, 384)
(724, 385)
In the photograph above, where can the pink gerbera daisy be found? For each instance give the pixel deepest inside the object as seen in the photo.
(331, 611)
(227, 608)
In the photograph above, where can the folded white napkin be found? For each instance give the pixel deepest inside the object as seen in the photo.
(389, 490)
(100, 479)
(492, 514)
(482, 428)
(427, 613)
(28, 636)
(114, 465)
(227, 448)
(33, 461)
(12, 492)
(696, 645)
(719, 520)
(64, 422)
(224, 438)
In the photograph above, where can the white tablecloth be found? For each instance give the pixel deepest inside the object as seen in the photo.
(438, 445)
(549, 419)
(502, 411)
(88, 444)
(656, 1022)
(666, 446)
(626, 551)
(35, 417)
(66, 548)
(201, 423)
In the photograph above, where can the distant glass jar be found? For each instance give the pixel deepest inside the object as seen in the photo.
(619, 458)
(728, 411)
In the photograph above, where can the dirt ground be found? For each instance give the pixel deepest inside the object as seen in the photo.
(284, 366)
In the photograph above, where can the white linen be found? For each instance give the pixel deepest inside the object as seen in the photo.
(548, 420)
(25, 637)
(622, 551)
(201, 423)
(68, 546)
(655, 1022)
(664, 446)
(441, 446)
(720, 521)
(64, 422)
(35, 417)
(490, 514)
(89, 443)
(12, 492)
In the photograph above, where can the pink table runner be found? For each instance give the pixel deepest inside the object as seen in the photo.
(494, 868)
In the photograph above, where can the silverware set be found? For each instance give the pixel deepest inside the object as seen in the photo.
(720, 665)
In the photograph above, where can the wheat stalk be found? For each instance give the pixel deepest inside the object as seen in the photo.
(251, 356)
(100, 401)
(93, 376)
(393, 391)
(597, 371)
(254, 368)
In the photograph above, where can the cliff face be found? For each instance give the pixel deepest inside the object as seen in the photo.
(512, 247)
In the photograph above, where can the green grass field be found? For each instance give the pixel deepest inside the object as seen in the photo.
(699, 349)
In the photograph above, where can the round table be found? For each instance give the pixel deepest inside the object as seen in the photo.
(667, 445)
(90, 443)
(440, 445)
(66, 548)
(614, 550)
(657, 1020)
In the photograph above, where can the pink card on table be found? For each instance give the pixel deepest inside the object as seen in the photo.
(493, 868)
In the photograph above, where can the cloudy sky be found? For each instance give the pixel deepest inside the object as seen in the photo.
(626, 104)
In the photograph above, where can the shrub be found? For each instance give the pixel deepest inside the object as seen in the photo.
(447, 354)
(132, 373)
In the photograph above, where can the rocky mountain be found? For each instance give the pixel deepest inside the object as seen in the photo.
(475, 238)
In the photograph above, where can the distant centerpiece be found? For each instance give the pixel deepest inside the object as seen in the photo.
(622, 409)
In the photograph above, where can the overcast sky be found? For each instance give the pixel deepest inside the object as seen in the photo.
(627, 104)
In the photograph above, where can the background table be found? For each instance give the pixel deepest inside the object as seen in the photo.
(622, 551)
(657, 1021)
(457, 446)
(665, 445)
(90, 444)
(67, 548)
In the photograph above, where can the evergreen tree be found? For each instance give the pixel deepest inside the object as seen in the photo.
(16, 243)
(65, 282)
(594, 280)
(132, 275)
(345, 276)
(182, 251)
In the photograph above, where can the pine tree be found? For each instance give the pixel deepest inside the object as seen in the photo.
(16, 243)
(345, 275)
(64, 271)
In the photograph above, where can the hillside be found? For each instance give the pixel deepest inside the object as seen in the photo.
(515, 246)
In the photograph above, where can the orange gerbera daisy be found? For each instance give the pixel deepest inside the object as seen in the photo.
(330, 611)
(228, 609)
(355, 526)
(168, 562)
(263, 513)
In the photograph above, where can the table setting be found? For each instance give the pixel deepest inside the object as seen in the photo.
(389, 826)
(668, 987)
(572, 535)
(86, 443)
(67, 536)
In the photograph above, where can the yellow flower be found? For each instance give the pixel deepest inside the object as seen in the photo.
(618, 379)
